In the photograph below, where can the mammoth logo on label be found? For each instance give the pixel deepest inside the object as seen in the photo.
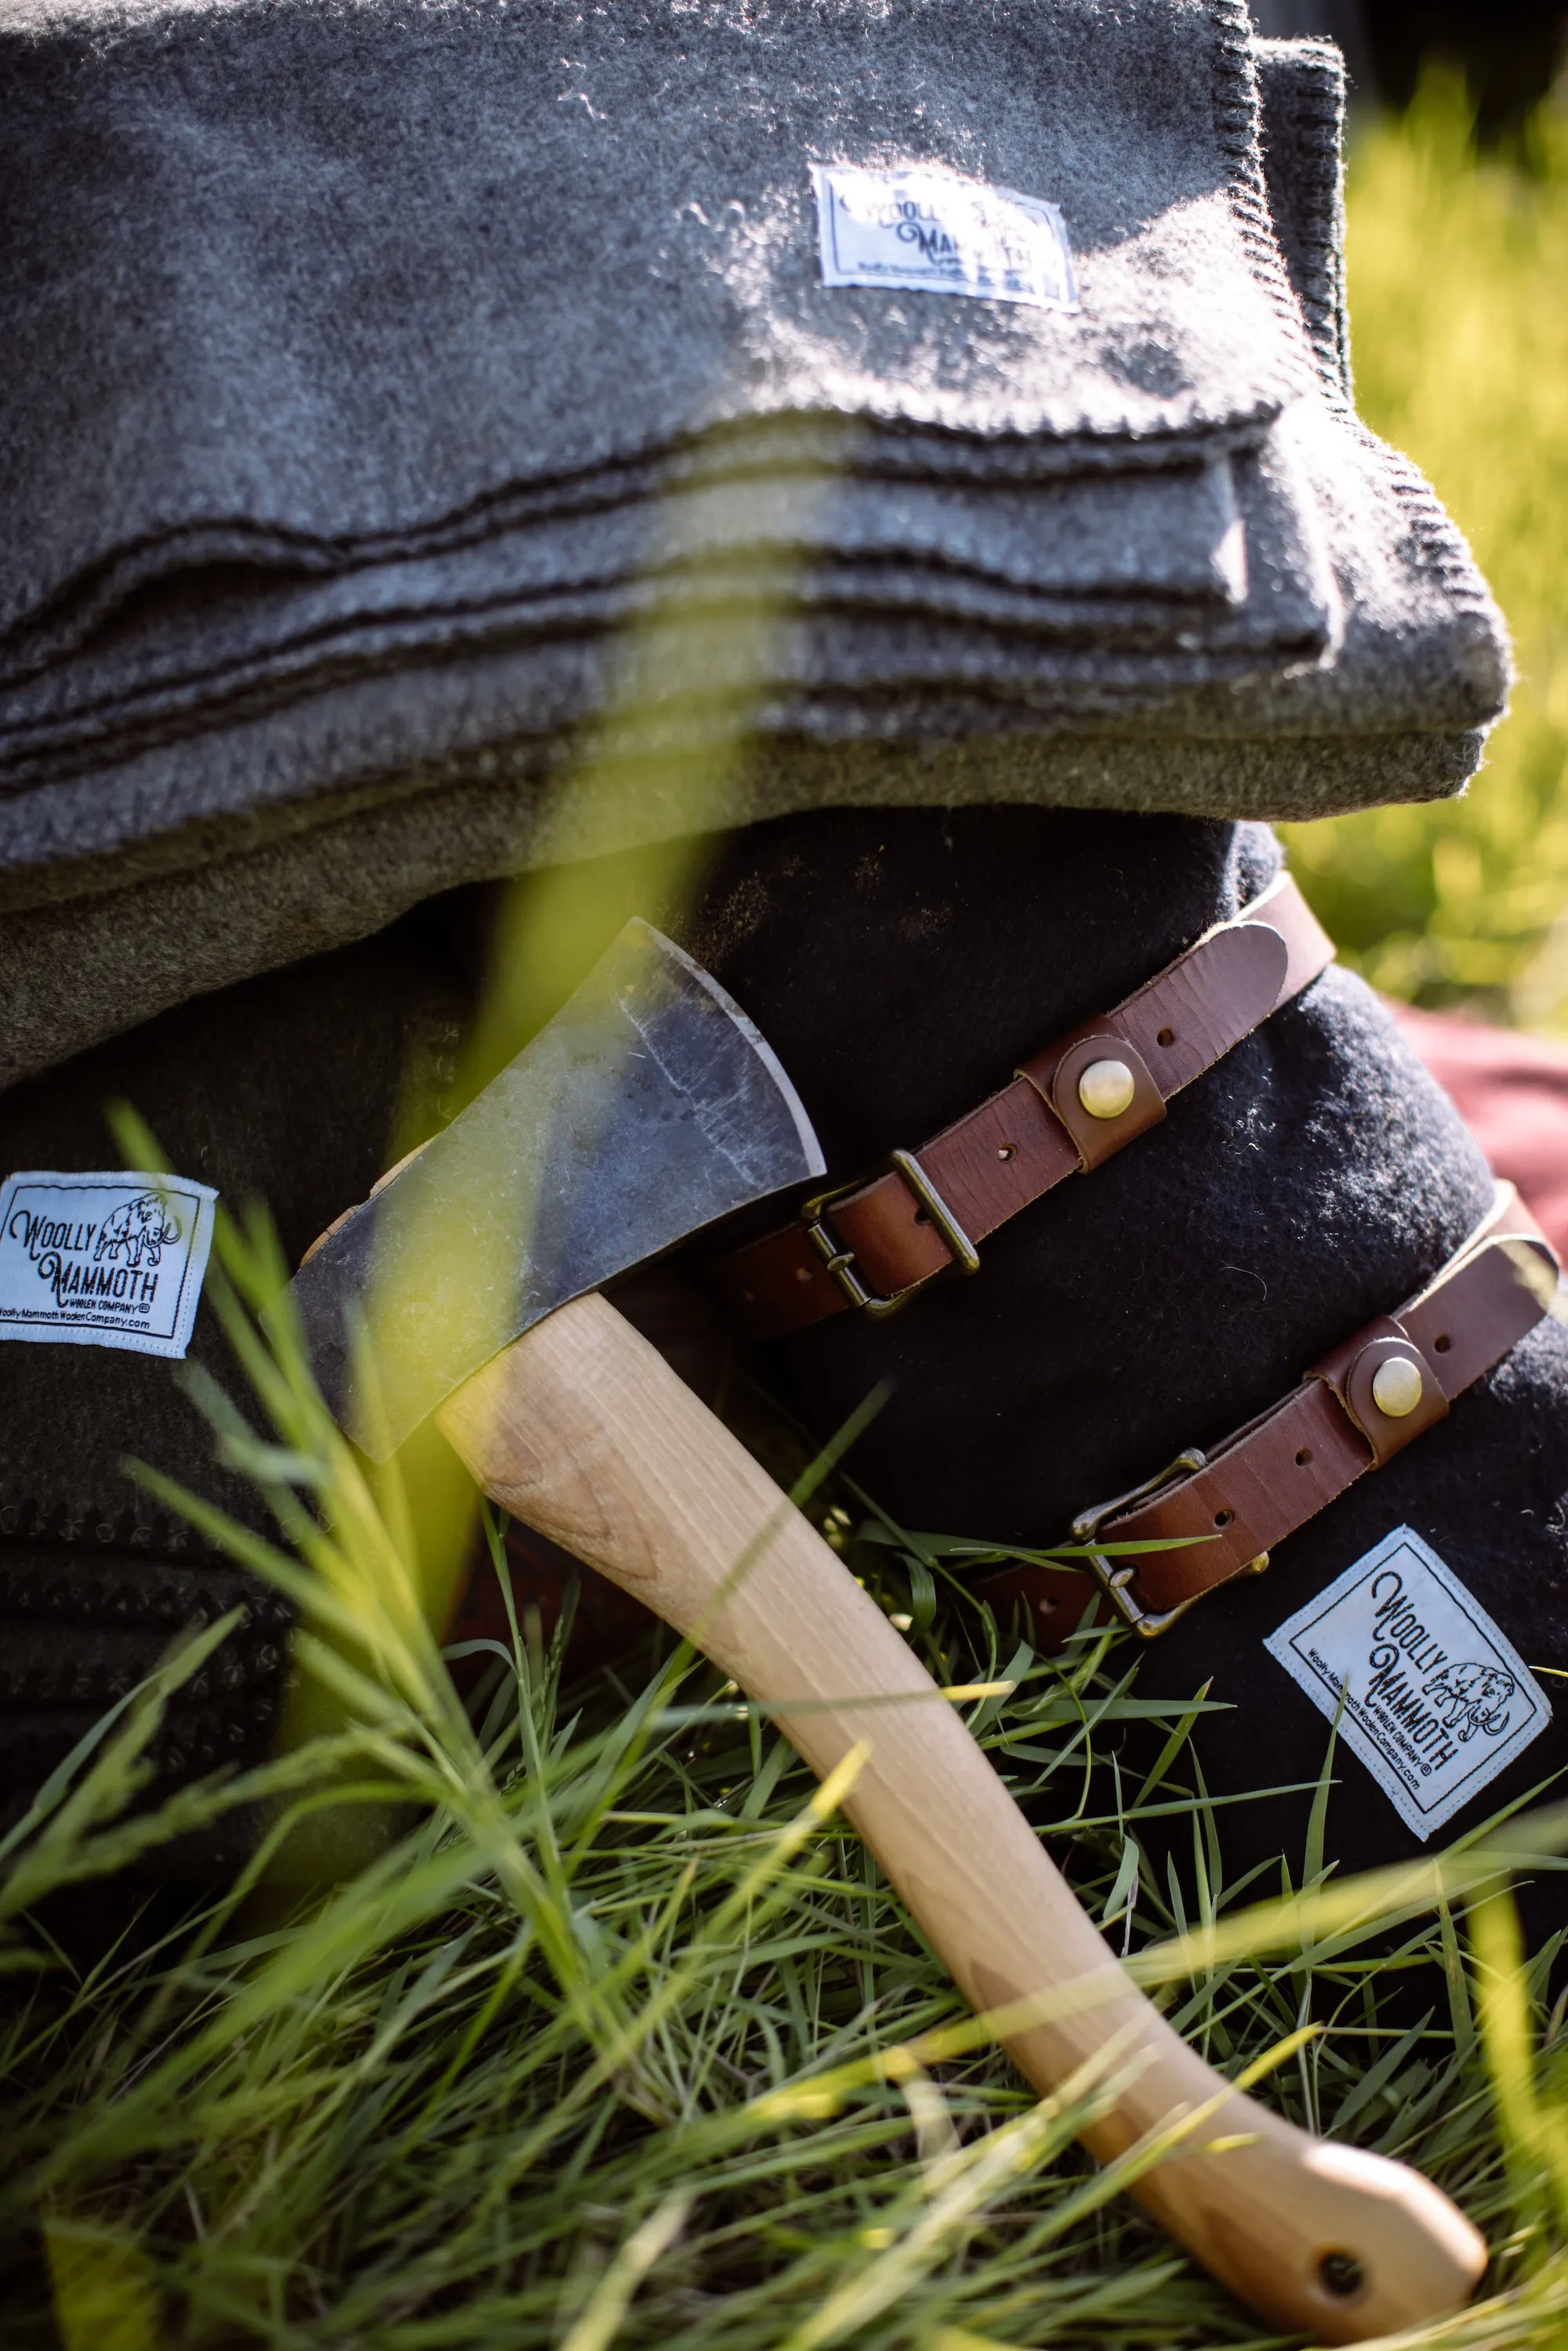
(103, 1260)
(139, 1231)
(1435, 1699)
(1475, 1698)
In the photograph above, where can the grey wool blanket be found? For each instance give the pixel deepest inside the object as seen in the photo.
(437, 441)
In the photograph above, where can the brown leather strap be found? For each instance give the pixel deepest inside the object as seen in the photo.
(875, 1242)
(1228, 1509)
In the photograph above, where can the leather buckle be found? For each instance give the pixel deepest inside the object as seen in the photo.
(1115, 1580)
(840, 1262)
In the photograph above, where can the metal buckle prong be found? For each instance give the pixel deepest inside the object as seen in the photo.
(1115, 1578)
(840, 1262)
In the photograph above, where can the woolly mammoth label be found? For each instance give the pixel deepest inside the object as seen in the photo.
(103, 1260)
(1435, 1701)
(931, 232)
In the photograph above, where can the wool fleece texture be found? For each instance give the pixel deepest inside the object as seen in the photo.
(283, 1089)
(1314, 1177)
(463, 453)
(900, 962)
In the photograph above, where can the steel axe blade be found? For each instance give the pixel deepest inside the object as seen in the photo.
(648, 1107)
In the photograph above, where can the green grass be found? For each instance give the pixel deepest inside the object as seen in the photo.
(616, 2037)
(1458, 294)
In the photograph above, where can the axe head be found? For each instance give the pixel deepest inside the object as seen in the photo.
(648, 1108)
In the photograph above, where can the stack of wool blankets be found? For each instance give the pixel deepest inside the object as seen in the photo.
(436, 441)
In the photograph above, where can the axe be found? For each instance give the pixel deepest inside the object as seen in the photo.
(649, 1107)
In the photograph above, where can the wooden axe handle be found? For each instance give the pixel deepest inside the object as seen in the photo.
(584, 1432)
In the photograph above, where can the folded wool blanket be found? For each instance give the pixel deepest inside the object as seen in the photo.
(456, 413)
(405, 264)
(1302, 98)
(86, 969)
(1161, 569)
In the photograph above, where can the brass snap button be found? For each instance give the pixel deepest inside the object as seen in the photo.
(1396, 1387)
(1106, 1089)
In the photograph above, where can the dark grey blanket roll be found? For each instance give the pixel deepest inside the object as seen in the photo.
(411, 421)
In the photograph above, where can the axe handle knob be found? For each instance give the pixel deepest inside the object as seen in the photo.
(581, 1430)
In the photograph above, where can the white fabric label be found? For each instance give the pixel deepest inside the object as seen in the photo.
(1435, 1701)
(112, 1260)
(932, 232)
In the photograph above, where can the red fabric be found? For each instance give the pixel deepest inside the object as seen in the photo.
(1512, 1092)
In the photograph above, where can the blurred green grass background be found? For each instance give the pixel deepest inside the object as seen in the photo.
(1458, 293)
